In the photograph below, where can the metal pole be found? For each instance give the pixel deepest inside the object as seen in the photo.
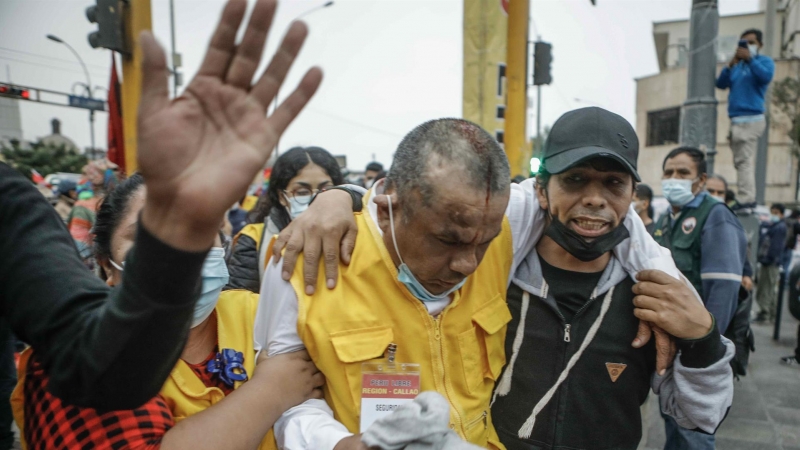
(172, 39)
(277, 92)
(539, 121)
(699, 114)
(91, 126)
(763, 141)
(776, 333)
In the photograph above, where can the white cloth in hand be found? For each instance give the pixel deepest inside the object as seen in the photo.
(420, 425)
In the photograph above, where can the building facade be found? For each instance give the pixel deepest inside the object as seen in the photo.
(659, 98)
(10, 121)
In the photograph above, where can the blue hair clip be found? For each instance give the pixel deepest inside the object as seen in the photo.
(229, 365)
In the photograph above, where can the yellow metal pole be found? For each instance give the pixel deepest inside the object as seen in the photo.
(137, 18)
(517, 148)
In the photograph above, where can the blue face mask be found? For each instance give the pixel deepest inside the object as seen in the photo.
(774, 219)
(408, 279)
(215, 277)
(297, 205)
(677, 192)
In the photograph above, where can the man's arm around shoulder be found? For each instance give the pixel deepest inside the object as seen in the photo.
(311, 425)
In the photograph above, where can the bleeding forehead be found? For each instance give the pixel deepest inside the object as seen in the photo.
(468, 209)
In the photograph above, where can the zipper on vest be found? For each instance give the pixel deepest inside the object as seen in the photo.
(437, 323)
(566, 333)
(482, 418)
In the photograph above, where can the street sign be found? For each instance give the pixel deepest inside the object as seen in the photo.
(87, 103)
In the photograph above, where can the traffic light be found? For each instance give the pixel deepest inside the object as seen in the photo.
(542, 58)
(11, 91)
(107, 14)
(536, 165)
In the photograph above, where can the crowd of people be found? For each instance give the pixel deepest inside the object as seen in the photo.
(539, 313)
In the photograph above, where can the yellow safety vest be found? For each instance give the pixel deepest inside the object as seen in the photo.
(249, 202)
(461, 352)
(255, 231)
(183, 392)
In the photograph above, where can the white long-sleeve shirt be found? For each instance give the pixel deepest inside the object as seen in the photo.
(311, 425)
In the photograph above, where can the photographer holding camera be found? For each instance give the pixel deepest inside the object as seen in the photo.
(747, 75)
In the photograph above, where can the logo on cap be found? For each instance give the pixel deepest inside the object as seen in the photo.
(622, 140)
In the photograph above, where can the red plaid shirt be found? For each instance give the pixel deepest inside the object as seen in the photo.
(49, 424)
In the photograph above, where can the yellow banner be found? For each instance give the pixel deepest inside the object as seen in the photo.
(485, 35)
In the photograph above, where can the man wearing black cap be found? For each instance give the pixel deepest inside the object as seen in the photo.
(573, 379)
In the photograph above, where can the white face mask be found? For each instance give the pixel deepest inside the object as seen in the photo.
(215, 276)
(407, 278)
(677, 192)
(368, 184)
(297, 205)
(753, 49)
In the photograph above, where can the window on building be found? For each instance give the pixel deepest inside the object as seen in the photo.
(663, 127)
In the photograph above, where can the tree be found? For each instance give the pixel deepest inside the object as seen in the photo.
(43, 158)
(786, 96)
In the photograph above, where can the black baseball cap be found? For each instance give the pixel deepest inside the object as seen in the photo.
(588, 133)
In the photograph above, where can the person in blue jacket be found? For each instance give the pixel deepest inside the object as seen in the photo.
(747, 76)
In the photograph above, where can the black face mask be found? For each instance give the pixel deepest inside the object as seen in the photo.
(577, 245)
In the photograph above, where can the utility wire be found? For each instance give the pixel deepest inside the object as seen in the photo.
(50, 58)
(63, 69)
(355, 123)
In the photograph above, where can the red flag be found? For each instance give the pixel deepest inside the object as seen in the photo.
(37, 177)
(116, 142)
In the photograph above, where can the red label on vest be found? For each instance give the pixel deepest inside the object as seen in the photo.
(383, 393)
(389, 386)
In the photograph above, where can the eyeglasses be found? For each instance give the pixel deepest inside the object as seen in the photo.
(302, 196)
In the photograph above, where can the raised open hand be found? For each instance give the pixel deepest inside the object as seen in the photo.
(200, 151)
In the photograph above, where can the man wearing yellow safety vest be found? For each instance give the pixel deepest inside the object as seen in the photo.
(358, 319)
(407, 285)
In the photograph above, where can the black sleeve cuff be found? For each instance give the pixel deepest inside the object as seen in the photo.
(356, 197)
(703, 352)
(164, 275)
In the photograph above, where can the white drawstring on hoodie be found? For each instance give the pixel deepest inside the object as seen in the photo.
(504, 386)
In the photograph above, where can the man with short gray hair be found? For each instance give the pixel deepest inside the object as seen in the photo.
(413, 286)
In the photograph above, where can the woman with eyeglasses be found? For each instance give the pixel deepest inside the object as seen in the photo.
(296, 177)
(215, 396)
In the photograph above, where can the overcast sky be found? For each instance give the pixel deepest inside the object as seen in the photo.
(389, 64)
